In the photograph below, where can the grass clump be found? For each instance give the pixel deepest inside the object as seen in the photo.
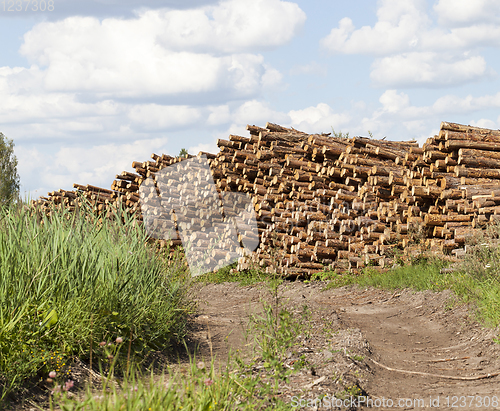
(275, 332)
(71, 279)
(231, 274)
(198, 387)
(423, 275)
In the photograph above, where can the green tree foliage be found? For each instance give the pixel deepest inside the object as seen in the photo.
(9, 179)
(183, 153)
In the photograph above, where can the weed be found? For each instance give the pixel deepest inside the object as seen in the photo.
(349, 392)
(339, 134)
(356, 357)
(231, 274)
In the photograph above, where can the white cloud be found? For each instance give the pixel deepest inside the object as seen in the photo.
(405, 26)
(411, 50)
(394, 117)
(100, 8)
(104, 160)
(271, 79)
(397, 112)
(468, 104)
(396, 29)
(24, 100)
(219, 115)
(258, 112)
(485, 123)
(232, 26)
(206, 147)
(428, 69)
(117, 79)
(464, 12)
(96, 165)
(29, 160)
(320, 118)
(393, 102)
(126, 58)
(158, 117)
(398, 119)
(461, 38)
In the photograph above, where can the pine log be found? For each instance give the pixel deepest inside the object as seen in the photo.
(478, 145)
(469, 130)
(440, 219)
(479, 161)
(477, 173)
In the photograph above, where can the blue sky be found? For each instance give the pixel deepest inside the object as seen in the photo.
(90, 86)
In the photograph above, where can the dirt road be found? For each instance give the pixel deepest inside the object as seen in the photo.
(399, 350)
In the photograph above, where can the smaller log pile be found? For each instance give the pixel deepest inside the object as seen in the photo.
(123, 195)
(98, 198)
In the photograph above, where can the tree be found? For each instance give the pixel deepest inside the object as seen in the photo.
(9, 179)
(183, 153)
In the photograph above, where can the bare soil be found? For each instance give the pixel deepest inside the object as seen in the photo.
(396, 349)
(420, 350)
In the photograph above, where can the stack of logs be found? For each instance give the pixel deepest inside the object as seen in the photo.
(324, 201)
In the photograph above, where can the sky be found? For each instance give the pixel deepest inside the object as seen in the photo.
(89, 86)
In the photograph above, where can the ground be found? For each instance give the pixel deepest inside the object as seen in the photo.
(384, 345)
(398, 349)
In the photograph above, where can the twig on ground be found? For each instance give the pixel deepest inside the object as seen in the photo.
(449, 359)
(315, 382)
(394, 295)
(210, 341)
(426, 374)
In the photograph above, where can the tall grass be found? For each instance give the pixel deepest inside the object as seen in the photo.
(200, 387)
(70, 280)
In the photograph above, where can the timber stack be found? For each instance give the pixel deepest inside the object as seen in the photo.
(329, 202)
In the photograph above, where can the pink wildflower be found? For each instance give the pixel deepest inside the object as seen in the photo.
(68, 385)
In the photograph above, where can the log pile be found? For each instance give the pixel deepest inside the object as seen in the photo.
(324, 201)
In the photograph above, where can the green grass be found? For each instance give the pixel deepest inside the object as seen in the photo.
(229, 274)
(69, 282)
(200, 386)
(75, 286)
(421, 276)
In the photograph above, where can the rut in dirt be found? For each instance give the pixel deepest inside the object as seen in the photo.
(421, 333)
(413, 332)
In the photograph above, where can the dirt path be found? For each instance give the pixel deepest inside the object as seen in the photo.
(349, 329)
